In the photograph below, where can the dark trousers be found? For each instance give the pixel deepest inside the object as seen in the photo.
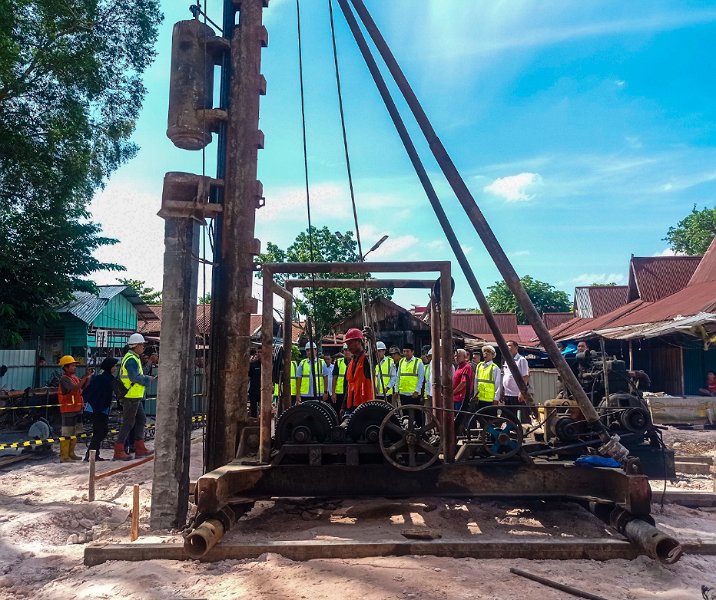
(406, 400)
(100, 428)
(254, 405)
(521, 410)
(133, 419)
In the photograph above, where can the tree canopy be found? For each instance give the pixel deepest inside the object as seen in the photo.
(693, 234)
(324, 306)
(148, 294)
(544, 296)
(70, 94)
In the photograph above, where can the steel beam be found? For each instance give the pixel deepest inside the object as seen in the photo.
(232, 303)
(347, 267)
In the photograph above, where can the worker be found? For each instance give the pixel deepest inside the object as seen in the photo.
(135, 381)
(427, 357)
(254, 382)
(383, 373)
(312, 376)
(150, 360)
(511, 394)
(411, 373)
(359, 382)
(69, 395)
(338, 390)
(488, 379)
(330, 370)
(98, 400)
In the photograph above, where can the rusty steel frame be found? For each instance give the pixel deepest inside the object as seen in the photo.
(442, 394)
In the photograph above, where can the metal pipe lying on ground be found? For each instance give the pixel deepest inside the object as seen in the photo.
(558, 586)
(210, 531)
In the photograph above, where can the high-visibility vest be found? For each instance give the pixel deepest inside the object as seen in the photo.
(382, 372)
(360, 387)
(293, 381)
(71, 402)
(485, 381)
(307, 375)
(341, 375)
(427, 392)
(408, 376)
(134, 390)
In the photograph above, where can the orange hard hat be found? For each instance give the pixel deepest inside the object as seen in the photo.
(353, 334)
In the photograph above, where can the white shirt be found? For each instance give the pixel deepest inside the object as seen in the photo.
(299, 374)
(508, 381)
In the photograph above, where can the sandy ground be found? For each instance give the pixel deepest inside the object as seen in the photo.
(46, 522)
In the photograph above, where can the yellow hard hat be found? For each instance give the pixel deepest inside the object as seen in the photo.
(68, 360)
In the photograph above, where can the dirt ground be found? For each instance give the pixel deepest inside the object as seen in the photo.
(46, 522)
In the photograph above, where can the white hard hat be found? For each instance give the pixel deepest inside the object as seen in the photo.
(136, 338)
(310, 345)
(430, 352)
(380, 346)
(345, 346)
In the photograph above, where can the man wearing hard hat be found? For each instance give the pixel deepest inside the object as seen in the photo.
(134, 380)
(69, 395)
(358, 377)
(312, 377)
(384, 373)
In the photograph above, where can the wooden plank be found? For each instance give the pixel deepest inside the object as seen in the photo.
(92, 463)
(691, 499)
(134, 534)
(131, 465)
(561, 549)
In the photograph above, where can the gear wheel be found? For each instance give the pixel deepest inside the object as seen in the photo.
(364, 423)
(303, 424)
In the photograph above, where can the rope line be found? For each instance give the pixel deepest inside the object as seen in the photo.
(309, 323)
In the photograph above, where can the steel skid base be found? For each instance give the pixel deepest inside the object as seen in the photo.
(238, 483)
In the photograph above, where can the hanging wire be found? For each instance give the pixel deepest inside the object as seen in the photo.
(364, 290)
(309, 326)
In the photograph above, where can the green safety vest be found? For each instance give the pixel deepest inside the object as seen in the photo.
(408, 376)
(293, 381)
(134, 390)
(341, 375)
(307, 375)
(485, 380)
(382, 371)
(426, 381)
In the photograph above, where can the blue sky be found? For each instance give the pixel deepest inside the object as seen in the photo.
(584, 130)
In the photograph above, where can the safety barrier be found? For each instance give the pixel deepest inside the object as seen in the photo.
(52, 440)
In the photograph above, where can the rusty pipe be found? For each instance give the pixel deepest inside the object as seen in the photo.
(639, 531)
(210, 531)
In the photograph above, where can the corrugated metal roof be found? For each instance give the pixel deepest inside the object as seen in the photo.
(597, 300)
(706, 271)
(655, 277)
(551, 320)
(203, 321)
(87, 307)
(21, 369)
(476, 324)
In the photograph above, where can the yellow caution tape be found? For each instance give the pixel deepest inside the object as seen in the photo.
(22, 407)
(29, 443)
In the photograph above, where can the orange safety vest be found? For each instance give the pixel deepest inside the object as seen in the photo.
(73, 401)
(360, 386)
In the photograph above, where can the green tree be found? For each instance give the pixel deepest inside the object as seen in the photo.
(205, 299)
(324, 306)
(693, 234)
(70, 94)
(610, 284)
(147, 294)
(543, 295)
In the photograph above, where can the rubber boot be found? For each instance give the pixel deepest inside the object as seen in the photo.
(140, 450)
(97, 457)
(65, 451)
(71, 452)
(119, 453)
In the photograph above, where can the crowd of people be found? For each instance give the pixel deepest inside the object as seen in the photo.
(400, 377)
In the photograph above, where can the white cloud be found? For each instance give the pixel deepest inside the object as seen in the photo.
(436, 244)
(518, 253)
(515, 188)
(590, 278)
(669, 252)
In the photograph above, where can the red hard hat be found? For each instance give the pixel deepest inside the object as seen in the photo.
(353, 334)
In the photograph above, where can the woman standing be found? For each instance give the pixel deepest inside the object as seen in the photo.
(98, 399)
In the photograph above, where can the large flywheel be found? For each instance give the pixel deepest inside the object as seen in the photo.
(410, 437)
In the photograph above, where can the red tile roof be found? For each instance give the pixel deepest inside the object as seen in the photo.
(655, 277)
(597, 300)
